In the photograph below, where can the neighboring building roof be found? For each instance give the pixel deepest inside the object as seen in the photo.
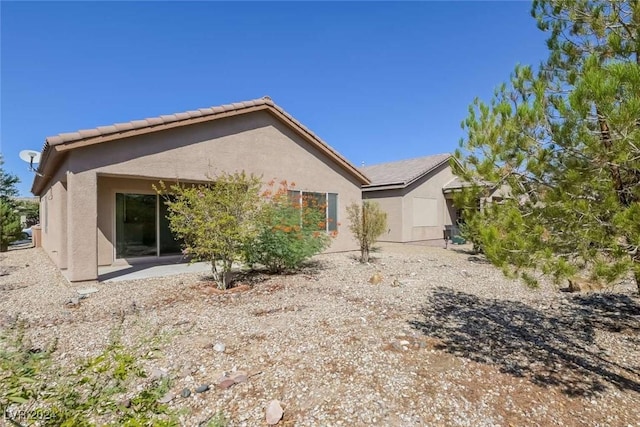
(458, 183)
(62, 143)
(402, 173)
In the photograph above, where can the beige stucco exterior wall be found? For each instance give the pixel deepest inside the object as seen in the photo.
(256, 142)
(82, 215)
(428, 187)
(390, 201)
(53, 219)
(399, 205)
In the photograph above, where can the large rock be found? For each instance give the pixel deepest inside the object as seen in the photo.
(274, 413)
(580, 284)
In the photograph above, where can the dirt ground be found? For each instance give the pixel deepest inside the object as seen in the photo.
(443, 340)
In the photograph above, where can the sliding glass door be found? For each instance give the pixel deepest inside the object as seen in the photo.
(168, 242)
(142, 228)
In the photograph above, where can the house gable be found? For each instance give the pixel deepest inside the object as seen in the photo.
(58, 147)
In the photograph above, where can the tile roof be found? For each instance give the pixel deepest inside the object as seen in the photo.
(67, 141)
(403, 172)
(123, 128)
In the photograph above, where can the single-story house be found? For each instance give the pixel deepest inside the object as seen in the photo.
(417, 195)
(97, 202)
(413, 193)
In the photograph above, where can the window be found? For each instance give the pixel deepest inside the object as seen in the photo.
(328, 202)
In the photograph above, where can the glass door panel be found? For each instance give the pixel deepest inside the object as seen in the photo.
(135, 225)
(169, 245)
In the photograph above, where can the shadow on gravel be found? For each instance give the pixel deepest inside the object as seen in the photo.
(553, 346)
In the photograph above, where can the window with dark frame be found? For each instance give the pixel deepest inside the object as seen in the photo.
(328, 201)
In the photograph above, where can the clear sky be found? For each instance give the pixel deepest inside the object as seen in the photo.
(377, 81)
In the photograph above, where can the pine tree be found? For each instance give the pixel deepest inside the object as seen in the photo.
(10, 227)
(8, 189)
(565, 139)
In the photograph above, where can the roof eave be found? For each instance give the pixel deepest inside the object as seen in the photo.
(428, 171)
(51, 159)
(388, 186)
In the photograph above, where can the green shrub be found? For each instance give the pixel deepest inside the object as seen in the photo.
(10, 227)
(367, 222)
(34, 391)
(215, 220)
(290, 231)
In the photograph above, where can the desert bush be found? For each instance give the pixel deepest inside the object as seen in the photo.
(216, 220)
(367, 222)
(291, 229)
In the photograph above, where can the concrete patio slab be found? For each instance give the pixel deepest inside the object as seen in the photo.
(119, 273)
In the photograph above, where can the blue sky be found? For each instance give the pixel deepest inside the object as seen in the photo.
(377, 81)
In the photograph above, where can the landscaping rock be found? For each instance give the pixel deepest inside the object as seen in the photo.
(73, 302)
(158, 374)
(219, 347)
(225, 383)
(167, 397)
(239, 377)
(185, 392)
(86, 292)
(202, 388)
(274, 412)
(580, 284)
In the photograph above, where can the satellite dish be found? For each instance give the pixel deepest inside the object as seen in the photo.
(31, 157)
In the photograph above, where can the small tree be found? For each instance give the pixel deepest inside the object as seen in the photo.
(367, 223)
(292, 230)
(215, 220)
(10, 227)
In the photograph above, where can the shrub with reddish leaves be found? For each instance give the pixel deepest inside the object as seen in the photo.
(291, 230)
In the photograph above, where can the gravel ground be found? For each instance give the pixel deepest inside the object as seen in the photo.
(444, 339)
